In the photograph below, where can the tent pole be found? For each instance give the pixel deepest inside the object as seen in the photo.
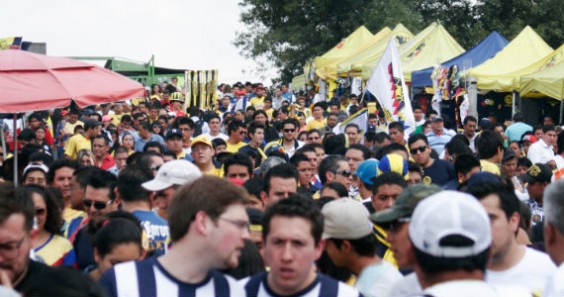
(561, 108)
(3, 137)
(15, 149)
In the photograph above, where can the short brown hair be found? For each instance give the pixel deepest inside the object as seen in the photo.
(11, 203)
(209, 194)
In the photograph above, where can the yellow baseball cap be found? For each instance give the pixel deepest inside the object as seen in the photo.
(201, 139)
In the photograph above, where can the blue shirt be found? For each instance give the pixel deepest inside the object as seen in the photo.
(516, 130)
(156, 231)
(438, 142)
(140, 142)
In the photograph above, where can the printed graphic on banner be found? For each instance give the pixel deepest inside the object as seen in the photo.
(388, 86)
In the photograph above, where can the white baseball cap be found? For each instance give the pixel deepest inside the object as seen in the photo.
(449, 213)
(175, 172)
(345, 218)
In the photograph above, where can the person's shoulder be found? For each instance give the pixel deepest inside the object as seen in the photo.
(539, 259)
(342, 289)
(227, 285)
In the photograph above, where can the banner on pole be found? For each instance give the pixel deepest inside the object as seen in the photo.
(388, 86)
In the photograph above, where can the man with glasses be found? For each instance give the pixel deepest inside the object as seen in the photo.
(99, 199)
(100, 148)
(435, 171)
(17, 270)
(396, 220)
(314, 136)
(208, 227)
(289, 141)
(237, 131)
(170, 176)
(335, 168)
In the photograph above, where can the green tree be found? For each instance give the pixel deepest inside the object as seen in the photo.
(289, 33)
(460, 18)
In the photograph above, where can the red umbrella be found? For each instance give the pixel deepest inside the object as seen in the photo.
(31, 81)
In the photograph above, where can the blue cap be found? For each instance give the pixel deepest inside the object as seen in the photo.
(367, 171)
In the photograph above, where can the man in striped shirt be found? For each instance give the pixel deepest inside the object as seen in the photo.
(291, 233)
(208, 226)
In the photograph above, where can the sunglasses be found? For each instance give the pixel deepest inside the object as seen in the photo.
(155, 168)
(420, 149)
(40, 211)
(97, 204)
(289, 130)
(345, 173)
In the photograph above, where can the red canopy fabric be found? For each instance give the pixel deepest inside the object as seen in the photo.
(31, 81)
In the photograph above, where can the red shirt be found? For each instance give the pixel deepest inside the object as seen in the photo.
(107, 163)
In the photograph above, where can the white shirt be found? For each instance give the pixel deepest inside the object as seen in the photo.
(530, 273)
(555, 284)
(220, 135)
(472, 288)
(540, 152)
(407, 287)
(377, 280)
(559, 161)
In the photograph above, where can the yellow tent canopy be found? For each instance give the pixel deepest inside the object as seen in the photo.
(331, 69)
(373, 51)
(549, 81)
(502, 72)
(348, 45)
(431, 46)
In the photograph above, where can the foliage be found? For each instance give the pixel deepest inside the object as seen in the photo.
(292, 32)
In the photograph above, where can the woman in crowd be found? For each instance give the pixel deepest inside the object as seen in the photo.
(128, 142)
(49, 246)
(85, 157)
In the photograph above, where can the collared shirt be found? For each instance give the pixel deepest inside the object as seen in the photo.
(540, 152)
(490, 167)
(107, 163)
(438, 142)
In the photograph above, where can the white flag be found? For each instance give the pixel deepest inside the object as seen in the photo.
(360, 118)
(388, 86)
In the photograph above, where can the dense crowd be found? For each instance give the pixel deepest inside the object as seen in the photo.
(274, 193)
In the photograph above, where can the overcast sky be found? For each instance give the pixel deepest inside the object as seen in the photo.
(185, 34)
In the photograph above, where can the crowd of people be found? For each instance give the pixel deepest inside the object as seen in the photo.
(272, 193)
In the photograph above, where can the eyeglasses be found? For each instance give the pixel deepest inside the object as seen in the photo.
(156, 168)
(40, 211)
(345, 173)
(289, 130)
(420, 149)
(11, 250)
(98, 205)
(241, 224)
(243, 133)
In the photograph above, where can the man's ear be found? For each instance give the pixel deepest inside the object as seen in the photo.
(117, 200)
(264, 198)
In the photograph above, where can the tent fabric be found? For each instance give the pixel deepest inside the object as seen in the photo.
(486, 49)
(431, 46)
(35, 82)
(549, 81)
(343, 49)
(373, 52)
(330, 69)
(299, 82)
(501, 73)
